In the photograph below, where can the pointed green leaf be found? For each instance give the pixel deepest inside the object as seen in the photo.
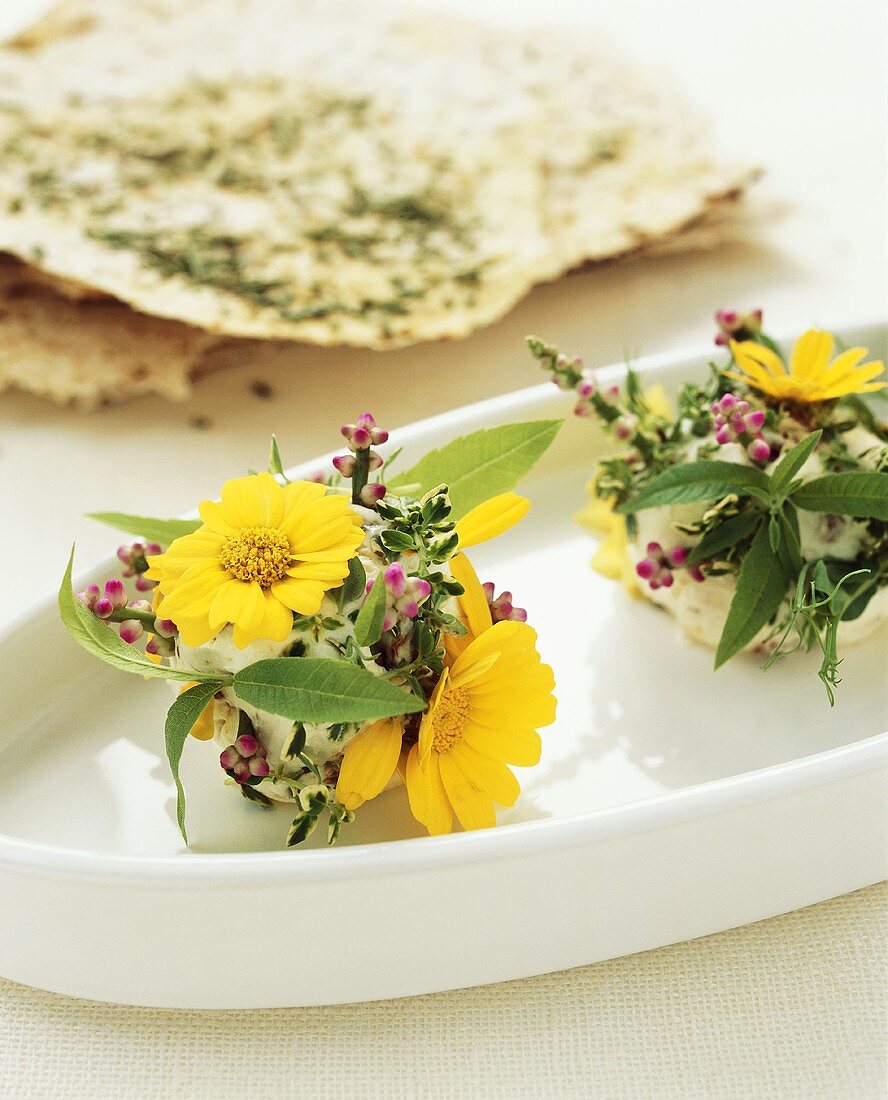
(355, 583)
(859, 493)
(478, 466)
(724, 536)
(323, 690)
(691, 482)
(368, 624)
(105, 643)
(163, 531)
(791, 462)
(761, 586)
(275, 466)
(182, 715)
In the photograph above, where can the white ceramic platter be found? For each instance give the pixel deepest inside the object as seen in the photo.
(671, 801)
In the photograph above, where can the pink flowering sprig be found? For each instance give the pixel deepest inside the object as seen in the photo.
(361, 437)
(112, 605)
(658, 568)
(501, 607)
(245, 761)
(403, 594)
(134, 559)
(624, 412)
(735, 422)
(733, 325)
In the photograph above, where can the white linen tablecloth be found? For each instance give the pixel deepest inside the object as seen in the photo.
(792, 1008)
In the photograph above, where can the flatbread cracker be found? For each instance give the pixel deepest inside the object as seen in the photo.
(423, 176)
(90, 353)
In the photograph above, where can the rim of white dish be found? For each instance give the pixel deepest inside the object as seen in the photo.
(190, 869)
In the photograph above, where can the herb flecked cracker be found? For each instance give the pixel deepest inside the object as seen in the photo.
(92, 351)
(412, 180)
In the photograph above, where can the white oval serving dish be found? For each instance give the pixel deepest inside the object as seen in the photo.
(671, 802)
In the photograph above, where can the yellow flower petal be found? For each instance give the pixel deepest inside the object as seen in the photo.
(471, 804)
(429, 803)
(657, 401)
(369, 762)
(493, 776)
(811, 353)
(474, 609)
(254, 501)
(491, 518)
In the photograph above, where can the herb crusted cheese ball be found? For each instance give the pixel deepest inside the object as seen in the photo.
(757, 513)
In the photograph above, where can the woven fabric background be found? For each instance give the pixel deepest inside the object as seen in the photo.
(794, 1007)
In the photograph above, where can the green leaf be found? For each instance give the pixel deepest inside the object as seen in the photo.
(478, 466)
(724, 536)
(774, 534)
(322, 690)
(182, 715)
(368, 624)
(355, 582)
(275, 466)
(690, 482)
(163, 531)
(103, 642)
(761, 586)
(859, 493)
(790, 545)
(790, 464)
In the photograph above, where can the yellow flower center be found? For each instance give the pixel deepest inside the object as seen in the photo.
(449, 719)
(256, 554)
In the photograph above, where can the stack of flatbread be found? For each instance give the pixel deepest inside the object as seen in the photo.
(173, 176)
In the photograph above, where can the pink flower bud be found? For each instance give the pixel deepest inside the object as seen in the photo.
(723, 435)
(166, 628)
(371, 494)
(360, 440)
(727, 402)
(152, 647)
(666, 579)
(395, 579)
(131, 631)
(375, 462)
(229, 757)
(241, 772)
(759, 451)
(345, 464)
(247, 745)
(115, 592)
(143, 584)
(678, 555)
(646, 569)
(755, 419)
(258, 766)
(421, 588)
(89, 595)
(103, 608)
(140, 605)
(654, 549)
(152, 548)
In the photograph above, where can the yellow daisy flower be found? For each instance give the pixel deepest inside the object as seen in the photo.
(483, 715)
(262, 553)
(510, 692)
(811, 376)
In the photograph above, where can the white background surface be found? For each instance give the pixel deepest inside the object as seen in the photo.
(798, 88)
